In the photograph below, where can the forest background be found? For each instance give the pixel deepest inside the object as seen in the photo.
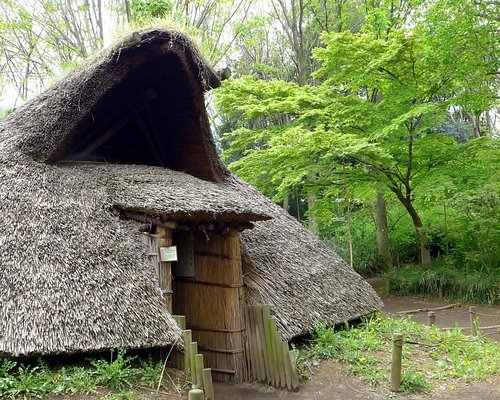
(373, 122)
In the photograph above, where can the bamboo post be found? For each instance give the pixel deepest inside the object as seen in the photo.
(195, 394)
(187, 338)
(281, 361)
(257, 320)
(177, 357)
(431, 316)
(272, 333)
(198, 361)
(181, 321)
(266, 314)
(397, 349)
(208, 384)
(263, 342)
(287, 365)
(193, 350)
(295, 375)
(474, 321)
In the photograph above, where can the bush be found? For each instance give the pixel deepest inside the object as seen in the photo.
(458, 283)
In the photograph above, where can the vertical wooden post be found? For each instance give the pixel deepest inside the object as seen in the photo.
(193, 350)
(208, 384)
(474, 321)
(266, 314)
(195, 394)
(287, 364)
(281, 361)
(431, 317)
(187, 338)
(164, 268)
(198, 361)
(397, 349)
(272, 331)
(295, 375)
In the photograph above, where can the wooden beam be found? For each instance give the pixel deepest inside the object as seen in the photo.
(107, 135)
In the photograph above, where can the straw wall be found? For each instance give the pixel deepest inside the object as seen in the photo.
(213, 304)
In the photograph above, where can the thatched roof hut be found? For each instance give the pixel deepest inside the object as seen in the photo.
(115, 149)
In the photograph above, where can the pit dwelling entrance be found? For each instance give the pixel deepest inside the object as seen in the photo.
(206, 285)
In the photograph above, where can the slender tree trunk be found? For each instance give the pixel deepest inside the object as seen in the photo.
(311, 221)
(382, 232)
(286, 203)
(425, 250)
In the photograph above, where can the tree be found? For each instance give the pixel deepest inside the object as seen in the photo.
(379, 104)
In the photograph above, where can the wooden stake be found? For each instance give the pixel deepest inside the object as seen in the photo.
(287, 365)
(397, 349)
(281, 361)
(187, 338)
(431, 316)
(295, 375)
(208, 384)
(198, 361)
(193, 350)
(274, 356)
(181, 321)
(266, 314)
(195, 394)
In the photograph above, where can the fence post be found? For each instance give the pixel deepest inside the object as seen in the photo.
(474, 321)
(397, 349)
(195, 394)
(431, 316)
(198, 364)
(208, 384)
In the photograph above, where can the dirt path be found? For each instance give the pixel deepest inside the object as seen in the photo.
(330, 382)
(488, 315)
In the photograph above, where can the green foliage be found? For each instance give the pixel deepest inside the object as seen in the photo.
(117, 374)
(147, 10)
(456, 282)
(26, 381)
(385, 114)
(440, 355)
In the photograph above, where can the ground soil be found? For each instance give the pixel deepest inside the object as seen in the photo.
(330, 381)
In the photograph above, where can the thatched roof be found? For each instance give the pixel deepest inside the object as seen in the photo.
(74, 275)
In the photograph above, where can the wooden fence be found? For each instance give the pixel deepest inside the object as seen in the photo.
(192, 362)
(269, 359)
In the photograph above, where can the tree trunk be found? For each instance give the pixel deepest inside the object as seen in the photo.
(312, 224)
(425, 250)
(286, 203)
(382, 232)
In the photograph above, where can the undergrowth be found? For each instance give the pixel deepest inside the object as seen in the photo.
(433, 356)
(470, 286)
(122, 373)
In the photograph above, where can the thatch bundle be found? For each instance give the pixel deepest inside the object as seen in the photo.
(74, 275)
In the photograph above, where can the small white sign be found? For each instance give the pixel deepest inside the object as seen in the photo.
(168, 253)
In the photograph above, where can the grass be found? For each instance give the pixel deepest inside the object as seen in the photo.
(470, 286)
(121, 373)
(433, 356)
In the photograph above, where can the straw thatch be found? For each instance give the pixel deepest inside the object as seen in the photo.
(74, 275)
